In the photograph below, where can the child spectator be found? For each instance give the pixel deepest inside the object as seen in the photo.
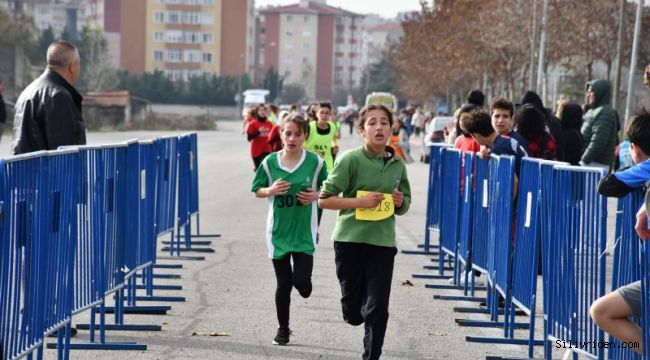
(612, 311)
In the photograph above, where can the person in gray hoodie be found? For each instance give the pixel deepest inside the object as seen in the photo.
(599, 126)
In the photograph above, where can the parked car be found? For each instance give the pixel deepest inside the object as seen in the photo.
(434, 132)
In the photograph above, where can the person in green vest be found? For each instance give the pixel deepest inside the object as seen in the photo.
(322, 134)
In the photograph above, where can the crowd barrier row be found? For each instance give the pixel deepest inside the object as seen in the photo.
(507, 227)
(80, 224)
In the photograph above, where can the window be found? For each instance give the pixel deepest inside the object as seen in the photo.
(261, 59)
(288, 45)
(289, 18)
(288, 60)
(207, 19)
(174, 36)
(289, 33)
(174, 17)
(174, 75)
(158, 36)
(208, 2)
(306, 32)
(339, 21)
(173, 1)
(307, 18)
(194, 74)
(207, 57)
(174, 55)
(208, 38)
(208, 74)
(157, 55)
(192, 2)
(159, 17)
(191, 56)
(305, 46)
(262, 30)
(192, 17)
(305, 61)
(193, 37)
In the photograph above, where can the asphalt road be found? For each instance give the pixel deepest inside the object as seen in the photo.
(231, 292)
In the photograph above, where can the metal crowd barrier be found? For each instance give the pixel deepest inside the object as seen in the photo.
(576, 260)
(465, 232)
(450, 201)
(38, 232)
(626, 261)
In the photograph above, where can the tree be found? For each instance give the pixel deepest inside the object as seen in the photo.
(293, 93)
(97, 74)
(273, 82)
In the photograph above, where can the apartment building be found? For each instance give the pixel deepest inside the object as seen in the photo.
(376, 40)
(311, 44)
(182, 38)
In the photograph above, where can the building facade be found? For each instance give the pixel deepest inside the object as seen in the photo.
(311, 44)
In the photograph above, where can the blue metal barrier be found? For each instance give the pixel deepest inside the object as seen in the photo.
(480, 220)
(194, 189)
(626, 261)
(465, 231)
(575, 275)
(185, 199)
(36, 272)
(450, 201)
(101, 197)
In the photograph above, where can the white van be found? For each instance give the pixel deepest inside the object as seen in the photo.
(254, 97)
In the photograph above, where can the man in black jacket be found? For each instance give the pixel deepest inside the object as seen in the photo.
(552, 123)
(48, 112)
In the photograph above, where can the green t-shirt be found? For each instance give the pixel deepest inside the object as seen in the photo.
(322, 144)
(357, 169)
(291, 226)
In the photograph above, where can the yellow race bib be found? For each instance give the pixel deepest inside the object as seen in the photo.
(385, 209)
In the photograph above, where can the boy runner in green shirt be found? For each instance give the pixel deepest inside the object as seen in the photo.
(322, 134)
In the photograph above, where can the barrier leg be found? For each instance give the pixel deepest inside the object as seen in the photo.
(198, 229)
(102, 344)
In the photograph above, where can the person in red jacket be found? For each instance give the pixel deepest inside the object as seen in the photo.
(258, 131)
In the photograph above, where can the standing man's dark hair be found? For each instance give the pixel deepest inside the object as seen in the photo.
(48, 111)
(3, 110)
(476, 97)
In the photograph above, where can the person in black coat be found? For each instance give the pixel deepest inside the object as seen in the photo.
(553, 123)
(571, 119)
(48, 111)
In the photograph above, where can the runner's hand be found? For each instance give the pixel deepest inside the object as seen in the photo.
(308, 196)
(398, 198)
(484, 153)
(279, 187)
(372, 200)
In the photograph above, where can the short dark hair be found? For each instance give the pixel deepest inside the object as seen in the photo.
(502, 103)
(476, 97)
(479, 122)
(325, 104)
(530, 122)
(638, 130)
(62, 53)
(361, 119)
(467, 108)
(298, 120)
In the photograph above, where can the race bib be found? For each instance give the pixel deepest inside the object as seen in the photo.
(385, 209)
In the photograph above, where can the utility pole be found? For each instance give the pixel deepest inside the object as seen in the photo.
(619, 55)
(635, 47)
(542, 47)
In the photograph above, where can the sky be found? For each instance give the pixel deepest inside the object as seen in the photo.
(385, 8)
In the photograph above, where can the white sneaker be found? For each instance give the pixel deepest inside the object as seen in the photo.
(478, 281)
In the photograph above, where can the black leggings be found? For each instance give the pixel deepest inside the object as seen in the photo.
(299, 277)
(257, 161)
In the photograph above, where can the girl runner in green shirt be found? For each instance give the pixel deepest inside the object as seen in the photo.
(290, 179)
(368, 185)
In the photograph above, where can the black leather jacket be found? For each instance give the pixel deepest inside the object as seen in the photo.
(48, 115)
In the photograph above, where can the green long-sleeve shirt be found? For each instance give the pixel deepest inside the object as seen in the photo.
(357, 169)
